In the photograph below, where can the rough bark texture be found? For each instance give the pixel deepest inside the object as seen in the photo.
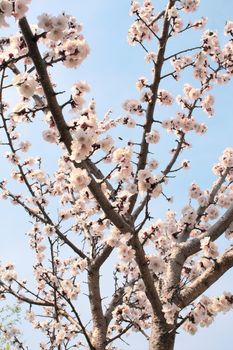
(161, 337)
(98, 338)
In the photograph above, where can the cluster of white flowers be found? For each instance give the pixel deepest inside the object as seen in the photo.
(20, 112)
(8, 273)
(79, 179)
(63, 38)
(145, 25)
(123, 157)
(228, 28)
(195, 191)
(207, 105)
(149, 183)
(202, 197)
(225, 163)
(24, 146)
(16, 8)
(26, 84)
(49, 230)
(141, 83)
(113, 239)
(209, 248)
(151, 56)
(211, 45)
(55, 26)
(78, 209)
(156, 264)
(78, 90)
(176, 20)
(165, 98)
(70, 289)
(180, 63)
(75, 51)
(51, 135)
(170, 310)
(81, 146)
(190, 5)
(206, 309)
(85, 133)
(126, 253)
(133, 106)
(191, 92)
(106, 144)
(152, 136)
(200, 66)
(227, 157)
(199, 24)
(188, 216)
(183, 122)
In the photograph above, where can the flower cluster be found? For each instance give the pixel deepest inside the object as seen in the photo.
(78, 90)
(26, 84)
(190, 5)
(152, 136)
(144, 27)
(165, 98)
(207, 105)
(175, 19)
(170, 310)
(149, 183)
(79, 179)
(85, 133)
(122, 156)
(205, 310)
(133, 106)
(209, 248)
(55, 26)
(182, 122)
(16, 8)
(64, 40)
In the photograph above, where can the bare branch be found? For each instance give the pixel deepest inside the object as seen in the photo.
(182, 51)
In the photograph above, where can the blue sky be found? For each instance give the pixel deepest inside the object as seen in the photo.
(112, 70)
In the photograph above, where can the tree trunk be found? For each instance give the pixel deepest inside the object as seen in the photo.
(98, 340)
(161, 338)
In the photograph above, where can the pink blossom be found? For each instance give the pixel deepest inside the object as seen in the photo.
(165, 97)
(153, 137)
(209, 248)
(190, 5)
(79, 179)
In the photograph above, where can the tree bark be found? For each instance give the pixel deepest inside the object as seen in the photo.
(99, 331)
(162, 337)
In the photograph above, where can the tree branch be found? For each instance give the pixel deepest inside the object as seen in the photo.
(151, 105)
(209, 277)
(62, 127)
(183, 250)
(200, 211)
(116, 300)
(214, 232)
(147, 278)
(99, 332)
